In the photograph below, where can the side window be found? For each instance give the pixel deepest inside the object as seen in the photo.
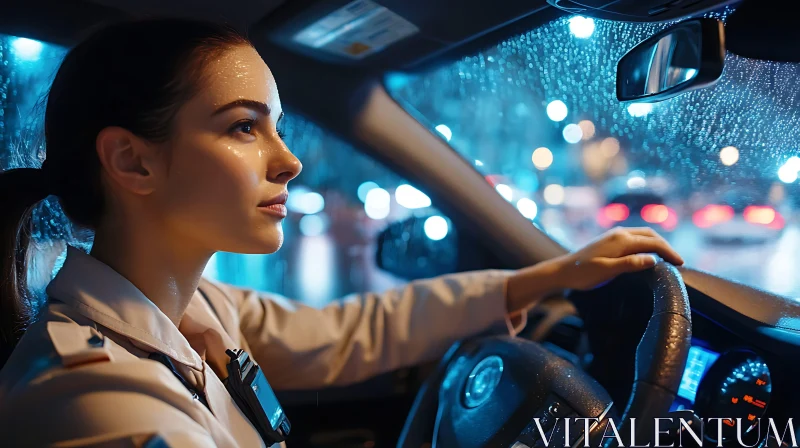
(339, 205)
(27, 68)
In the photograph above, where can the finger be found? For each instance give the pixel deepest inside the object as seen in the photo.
(637, 244)
(639, 231)
(648, 232)
(630, 263)
(643, 231)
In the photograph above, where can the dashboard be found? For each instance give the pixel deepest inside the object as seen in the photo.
(742, 363)
(733, 386)
(741, 371)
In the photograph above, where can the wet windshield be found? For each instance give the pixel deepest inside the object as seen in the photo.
(539, 113)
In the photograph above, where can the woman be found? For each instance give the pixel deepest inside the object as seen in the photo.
(163, 138)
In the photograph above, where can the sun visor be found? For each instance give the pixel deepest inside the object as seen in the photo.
(763, 30)
(356, 30)
(387, 33)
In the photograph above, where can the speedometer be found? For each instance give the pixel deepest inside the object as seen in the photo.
(737, 386)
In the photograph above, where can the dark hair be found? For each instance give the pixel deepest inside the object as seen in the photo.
(135, 75)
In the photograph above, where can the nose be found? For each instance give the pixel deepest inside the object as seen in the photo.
(283, 166)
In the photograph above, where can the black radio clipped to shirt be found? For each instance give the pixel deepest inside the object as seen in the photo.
(249, 388)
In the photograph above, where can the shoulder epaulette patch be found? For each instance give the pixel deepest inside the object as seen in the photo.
(77, 344)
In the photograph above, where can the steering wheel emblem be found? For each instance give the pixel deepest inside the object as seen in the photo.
(482, 381)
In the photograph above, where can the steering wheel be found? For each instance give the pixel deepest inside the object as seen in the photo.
(487, 392)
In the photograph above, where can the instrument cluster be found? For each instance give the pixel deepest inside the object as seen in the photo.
(729, 386)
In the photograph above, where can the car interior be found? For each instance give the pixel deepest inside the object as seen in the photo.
(692, 342)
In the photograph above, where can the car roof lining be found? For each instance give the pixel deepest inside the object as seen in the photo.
(445, 33)
(236, 12)
(65, 22)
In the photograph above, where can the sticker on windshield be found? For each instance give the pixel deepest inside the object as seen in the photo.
(356, 30)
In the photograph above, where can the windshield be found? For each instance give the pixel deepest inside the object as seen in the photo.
(539, 112)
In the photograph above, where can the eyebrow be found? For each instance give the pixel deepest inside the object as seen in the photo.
(257, 106)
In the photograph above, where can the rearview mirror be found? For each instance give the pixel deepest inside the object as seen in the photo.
(684, 57)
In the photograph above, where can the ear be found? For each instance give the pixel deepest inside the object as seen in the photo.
(130, 162)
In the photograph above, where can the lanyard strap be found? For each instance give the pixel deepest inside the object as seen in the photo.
(196, 394)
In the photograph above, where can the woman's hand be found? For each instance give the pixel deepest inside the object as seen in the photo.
(615, 252)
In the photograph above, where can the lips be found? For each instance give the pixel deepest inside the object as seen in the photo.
(279, 199)
(275, 206)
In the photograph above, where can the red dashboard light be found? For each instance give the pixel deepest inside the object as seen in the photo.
(711, 215)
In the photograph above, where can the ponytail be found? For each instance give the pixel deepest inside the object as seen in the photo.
(20, 190)
(134, 75)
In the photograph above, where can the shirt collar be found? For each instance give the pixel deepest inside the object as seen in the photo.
(100, 293)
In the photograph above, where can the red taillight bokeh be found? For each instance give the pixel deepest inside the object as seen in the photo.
(671, 221)
(660, 214)
(756, 214)
(712, 214)
(616, 212)
(655, 213)
(763, 215)
(778, 223)
(613, 213)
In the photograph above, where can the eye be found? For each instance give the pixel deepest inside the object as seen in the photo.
(244, 127)
(279, 127)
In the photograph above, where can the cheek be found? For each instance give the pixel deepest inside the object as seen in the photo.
(220, 182)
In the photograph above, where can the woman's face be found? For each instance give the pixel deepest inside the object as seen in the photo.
(226, 186)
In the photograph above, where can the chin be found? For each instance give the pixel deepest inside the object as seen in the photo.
(259, 247)
(270, 243)
(265, 240)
